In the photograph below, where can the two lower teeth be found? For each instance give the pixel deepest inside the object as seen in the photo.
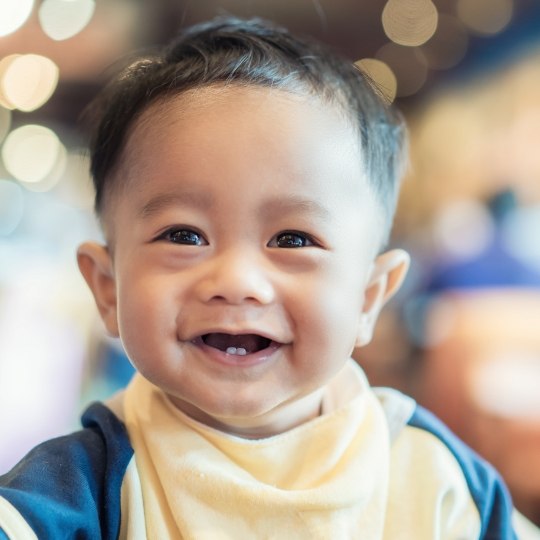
(240, 351)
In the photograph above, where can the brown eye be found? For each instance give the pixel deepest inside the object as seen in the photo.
(185, 237)
(292, 240)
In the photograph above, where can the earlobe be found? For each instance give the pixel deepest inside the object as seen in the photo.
(95, 264)
(389, 271)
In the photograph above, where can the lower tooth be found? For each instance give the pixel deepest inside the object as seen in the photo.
(240, 351)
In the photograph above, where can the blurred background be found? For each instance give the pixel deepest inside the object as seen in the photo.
(462, 337)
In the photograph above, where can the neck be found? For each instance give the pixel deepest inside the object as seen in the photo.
(286, 417)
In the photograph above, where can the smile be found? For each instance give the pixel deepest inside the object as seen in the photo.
(241, 344)
(237, 348)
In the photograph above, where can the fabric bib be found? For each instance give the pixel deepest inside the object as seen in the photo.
(325, 479)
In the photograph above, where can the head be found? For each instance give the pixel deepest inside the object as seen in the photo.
(246, 182)
(228, 52)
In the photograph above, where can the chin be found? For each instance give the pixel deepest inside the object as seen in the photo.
(221, 413)
(242, 412)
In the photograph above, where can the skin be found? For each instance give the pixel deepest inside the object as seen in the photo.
(217, 186)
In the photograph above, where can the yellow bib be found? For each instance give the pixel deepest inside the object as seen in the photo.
(325, 479)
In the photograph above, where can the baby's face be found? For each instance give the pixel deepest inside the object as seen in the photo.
(243, 242)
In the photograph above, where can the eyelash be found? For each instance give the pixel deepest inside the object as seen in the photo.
(183, 233)
(305, 240)
(191, 237)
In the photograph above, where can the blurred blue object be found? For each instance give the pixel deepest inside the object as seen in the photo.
(116, 368)
(499, 264)
(494, 267)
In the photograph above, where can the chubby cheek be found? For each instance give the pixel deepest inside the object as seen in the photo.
(327, 319)
(339, 322)
(146, 320)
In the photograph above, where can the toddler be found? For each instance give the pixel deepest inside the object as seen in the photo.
(245, 182)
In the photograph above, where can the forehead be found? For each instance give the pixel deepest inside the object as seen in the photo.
(223, 115)
(247, 138)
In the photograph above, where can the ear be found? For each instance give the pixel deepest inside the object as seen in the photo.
(387, 275)
(96, 266)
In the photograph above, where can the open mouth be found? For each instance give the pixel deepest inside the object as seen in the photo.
(239, 345)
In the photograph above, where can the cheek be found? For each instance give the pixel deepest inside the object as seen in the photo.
(145, 315)
(330, 312)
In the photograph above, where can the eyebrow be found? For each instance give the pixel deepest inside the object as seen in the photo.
(167, 200)
(270, 210)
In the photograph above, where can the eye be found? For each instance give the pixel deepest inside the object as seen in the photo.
(291, 239)
(184, 236)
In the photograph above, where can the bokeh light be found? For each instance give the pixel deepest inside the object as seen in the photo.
(5, 64)
(28, 81)
(11, 206)
(13, 14)
(40, 143)
(381, 74)
(463, 229)
(63, 19)
(485, 16)
(408, 65)
(49, 181)
(409, 22)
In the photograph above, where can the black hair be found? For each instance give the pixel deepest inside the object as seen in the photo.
(249, 52)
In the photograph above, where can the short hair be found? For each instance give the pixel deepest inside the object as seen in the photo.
(250, 52)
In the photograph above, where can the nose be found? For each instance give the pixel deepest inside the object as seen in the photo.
(235, 277)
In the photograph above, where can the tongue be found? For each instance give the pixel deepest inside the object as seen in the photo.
(249, 342)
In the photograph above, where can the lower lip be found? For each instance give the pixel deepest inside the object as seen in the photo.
(236, 360)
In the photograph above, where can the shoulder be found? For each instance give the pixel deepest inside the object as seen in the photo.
(486, 486)
(70, 486)
(467, 497)
(469, 493)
